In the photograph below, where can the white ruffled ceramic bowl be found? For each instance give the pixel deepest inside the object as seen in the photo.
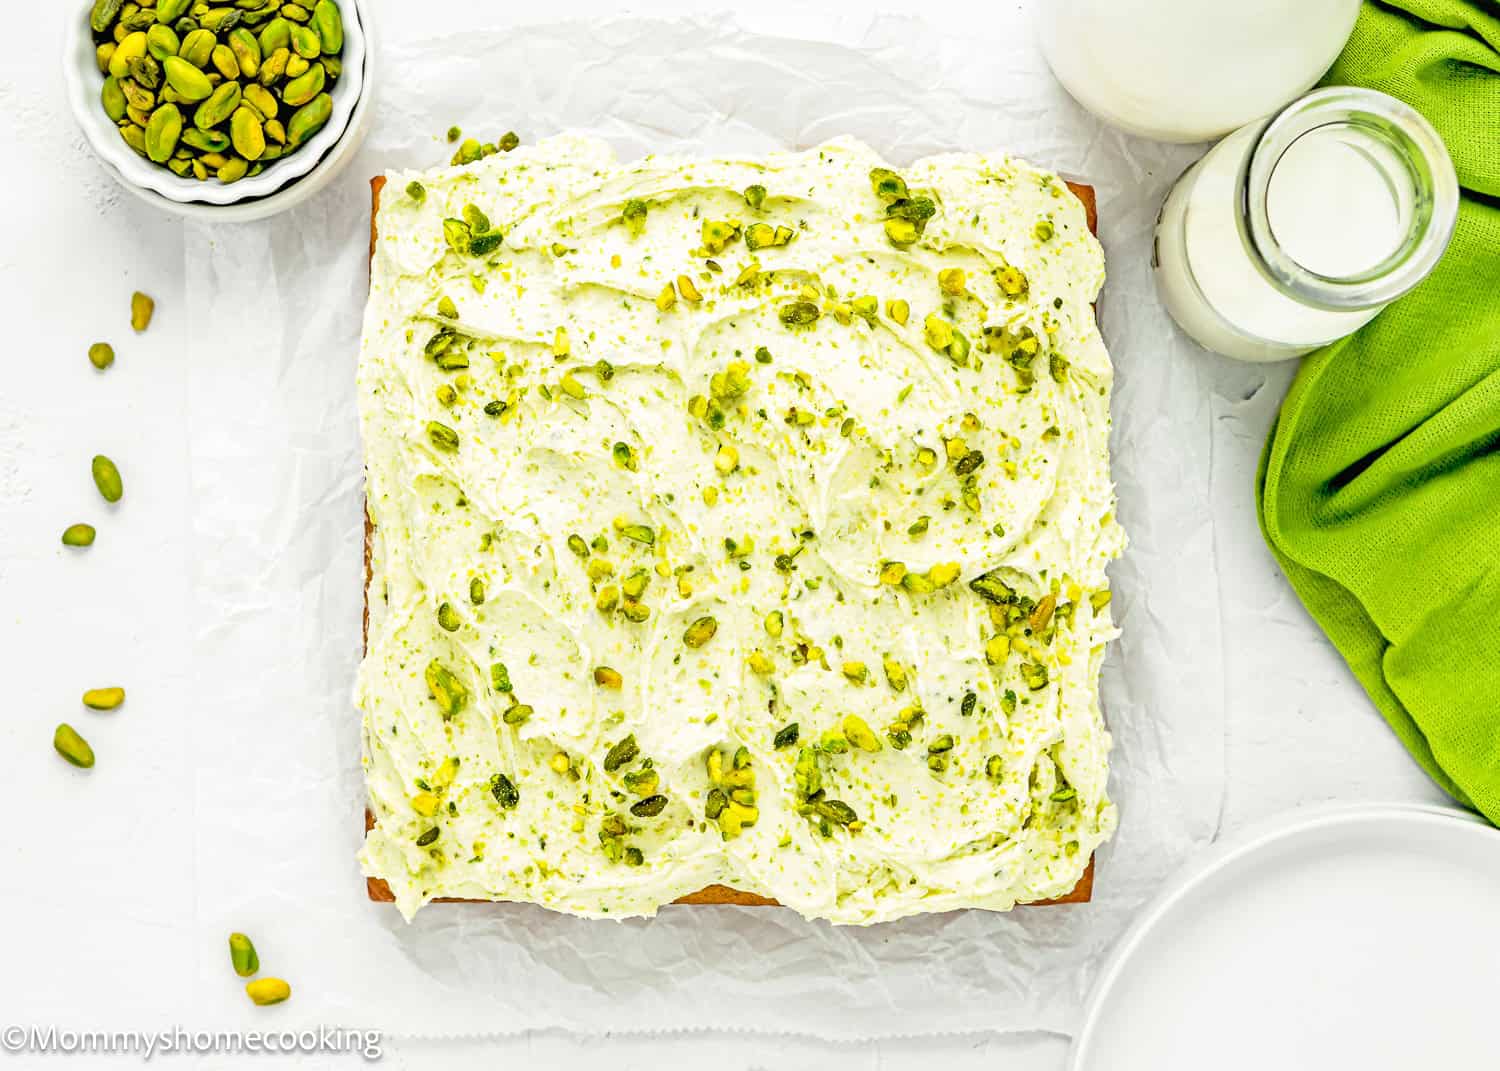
(284, 182)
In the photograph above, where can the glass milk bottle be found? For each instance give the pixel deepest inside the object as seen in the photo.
(1296, 230)
(1190, 70)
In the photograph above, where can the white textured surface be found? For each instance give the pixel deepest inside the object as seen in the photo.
(107, 867)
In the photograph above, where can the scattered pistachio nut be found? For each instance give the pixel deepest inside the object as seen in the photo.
(267, 991)
(107, 478)
(73, 747)
(78, 535)
(103, 698)
(142, 307)
(242, 955)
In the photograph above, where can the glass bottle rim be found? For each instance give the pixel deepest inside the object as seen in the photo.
(1420, 150)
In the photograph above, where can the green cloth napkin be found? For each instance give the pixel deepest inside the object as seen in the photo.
(1380, 483)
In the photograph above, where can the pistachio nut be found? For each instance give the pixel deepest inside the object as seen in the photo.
(102, 56)
(649, 807)
(329, 23)
(103, 698)
(223, 61)
(205, 140)
(309, 119)
(623, 752)
(296, 66)
(169, 11)
(161, 42)
(221, 19)
(246, 133)
(132, 46)
(73, 747)
(142, 307)
(101, 355)
(700, 632)
(135, 137)
(187, 80)
(261, 99)
(505, 792)
(146, 73)
(305, 42)
(113, 99)
(107, 478)
(102, 15)
(273, 67)
(246, 48)
(78, 535)
(242, 955)
(162, 133)
(265, 991)
(219, 106)
(304, 88)
(447, 690)
(275, 34)
(197, 48)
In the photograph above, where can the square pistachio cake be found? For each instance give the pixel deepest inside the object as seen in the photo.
(737, 521)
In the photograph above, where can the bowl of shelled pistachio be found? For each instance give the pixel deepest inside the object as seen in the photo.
(228, 110)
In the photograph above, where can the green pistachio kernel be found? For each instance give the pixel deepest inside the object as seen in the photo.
(500, 677)
(990, 588)
(639, 533)
(505, 791)
(264, 992)
(103, 698)
(887, 185)
(700, 632)
(107, 478)
(442, 436)
(607, 677)
(476, 591)
(634, 216)
(73, 747)
(446, 689)
(623, 752)
(242, 955)
(755, 196)
(786, 736)
(798, 314)
(78, 535)
(447, 617)
(859, 733)
(901, 232)
(649, 807)
(835, 811)
(643, 782)
(142, 307)
(517, 713)
(1012, 281)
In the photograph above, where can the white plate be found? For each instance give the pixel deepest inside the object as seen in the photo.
(1361, 938)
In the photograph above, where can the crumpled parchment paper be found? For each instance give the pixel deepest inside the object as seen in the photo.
(277, 574)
